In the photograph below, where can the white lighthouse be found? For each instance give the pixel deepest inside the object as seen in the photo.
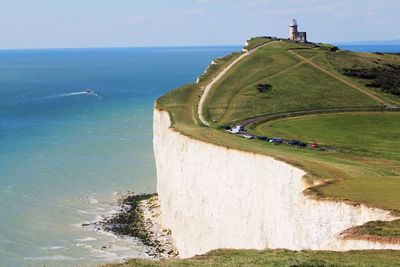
(293, 30)
(295, 35)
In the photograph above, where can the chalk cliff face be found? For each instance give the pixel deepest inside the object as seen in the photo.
(213, 197)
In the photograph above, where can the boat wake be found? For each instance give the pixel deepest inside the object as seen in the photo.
(86, 92)
(40, 99)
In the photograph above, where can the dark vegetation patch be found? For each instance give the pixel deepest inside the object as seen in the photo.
(334, 49)
(264, 87)
(387, 78)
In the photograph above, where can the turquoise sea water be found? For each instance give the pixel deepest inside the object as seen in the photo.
(64, 153)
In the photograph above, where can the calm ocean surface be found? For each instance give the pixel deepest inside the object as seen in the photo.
(64, 153)
(384, 48)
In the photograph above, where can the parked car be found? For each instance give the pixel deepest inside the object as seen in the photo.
(293, 142)
(314, 145)
(263, 138)
(276, 140)
(302, 144)
(247, 136)
(236, 129)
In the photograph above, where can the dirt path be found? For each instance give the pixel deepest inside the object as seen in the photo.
(303, 60)
(269, 117)
(232, 98)
(337, 77)
(208, 88)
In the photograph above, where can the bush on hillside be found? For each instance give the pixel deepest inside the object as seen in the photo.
(264, 87)
(334, 49)
(387, 78)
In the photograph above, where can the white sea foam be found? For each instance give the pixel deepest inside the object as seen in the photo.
(101, 253)
(80, 211)
(115, 249)
(54, 248)
(79, 225)
(92, 200)
(86, 239)
(81, 245)
(52, 258)
(75, 93)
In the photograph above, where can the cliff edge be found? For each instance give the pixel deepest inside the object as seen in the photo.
(216, 197)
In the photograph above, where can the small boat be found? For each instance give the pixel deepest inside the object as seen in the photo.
(89, 91)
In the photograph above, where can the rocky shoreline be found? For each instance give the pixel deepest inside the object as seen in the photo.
(139, 216)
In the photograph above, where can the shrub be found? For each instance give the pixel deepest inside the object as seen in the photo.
(264, 87)
(334, 49)
(387, 78)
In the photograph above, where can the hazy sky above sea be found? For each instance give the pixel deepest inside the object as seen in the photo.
(111, 23)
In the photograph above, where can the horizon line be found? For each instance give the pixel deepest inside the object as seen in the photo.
(371, 42)
(120, 47)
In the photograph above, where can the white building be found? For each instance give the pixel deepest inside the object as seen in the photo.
(295, 35)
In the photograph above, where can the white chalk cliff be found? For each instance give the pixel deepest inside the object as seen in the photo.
(213, 197)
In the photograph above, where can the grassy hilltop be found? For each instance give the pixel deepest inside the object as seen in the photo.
(317, 94)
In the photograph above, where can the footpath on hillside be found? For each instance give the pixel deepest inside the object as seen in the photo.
(303, 60)
(208, 88)
(343, 80)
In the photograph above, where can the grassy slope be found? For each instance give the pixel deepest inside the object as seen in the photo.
(378, 228)
(257, 41)
(280, 258)
(335, 62)
(373, 133)
(296, 86)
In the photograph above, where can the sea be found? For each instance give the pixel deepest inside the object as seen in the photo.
(75, 135)
(370, 47)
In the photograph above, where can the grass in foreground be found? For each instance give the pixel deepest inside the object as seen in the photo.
(279, 258)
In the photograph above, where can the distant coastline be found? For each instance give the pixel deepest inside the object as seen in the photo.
(370, 47)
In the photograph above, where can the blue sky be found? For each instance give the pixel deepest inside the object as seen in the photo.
(110, 23)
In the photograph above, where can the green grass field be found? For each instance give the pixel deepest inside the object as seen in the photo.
(337, 61)
(279, 258)
(295, 86)
(371, 133)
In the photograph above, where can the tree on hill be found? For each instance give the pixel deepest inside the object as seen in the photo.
(264, 87)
